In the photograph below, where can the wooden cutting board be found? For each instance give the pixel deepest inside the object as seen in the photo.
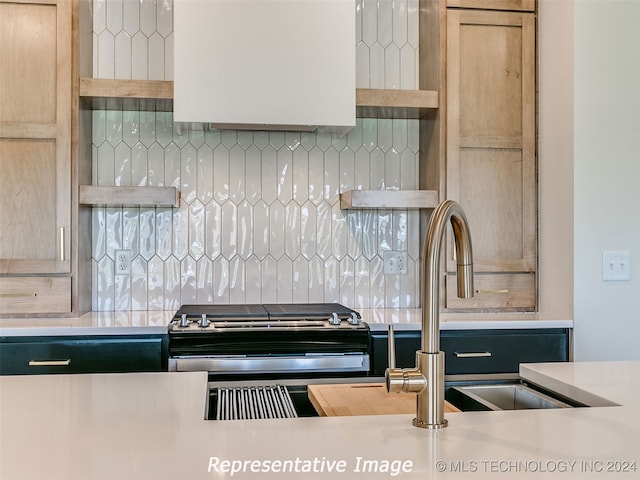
(362, 399)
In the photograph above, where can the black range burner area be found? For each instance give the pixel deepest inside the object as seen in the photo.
(269, 337)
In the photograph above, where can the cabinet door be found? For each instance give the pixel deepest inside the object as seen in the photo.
(35, 137)
(491, 144)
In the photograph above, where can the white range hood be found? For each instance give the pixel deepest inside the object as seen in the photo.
(265, 64)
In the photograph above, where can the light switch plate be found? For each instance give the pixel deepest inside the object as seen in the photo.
(616, 266)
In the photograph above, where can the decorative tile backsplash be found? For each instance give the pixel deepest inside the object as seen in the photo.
(133, 39)
(259, 218)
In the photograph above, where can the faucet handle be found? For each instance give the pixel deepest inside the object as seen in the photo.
(408, 380)
(391, 347)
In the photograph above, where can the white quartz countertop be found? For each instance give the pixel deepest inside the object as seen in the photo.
(411, 319)
(153, 322)
(92, 323)
(151, 426)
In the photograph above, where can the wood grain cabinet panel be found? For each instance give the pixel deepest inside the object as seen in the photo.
(512, 291)
(35, 295)
(490, 140)
(35, 149)
(521, 5)
(28, 213)
(29, 88)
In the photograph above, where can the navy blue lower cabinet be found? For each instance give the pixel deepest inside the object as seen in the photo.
(83, 354)
(477, 351)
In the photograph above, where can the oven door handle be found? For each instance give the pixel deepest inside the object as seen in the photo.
(284, 364)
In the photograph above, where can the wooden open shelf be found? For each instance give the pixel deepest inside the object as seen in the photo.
(157, 95)
(129, 196)
(146, 95)
(381, 103)
(408, 199)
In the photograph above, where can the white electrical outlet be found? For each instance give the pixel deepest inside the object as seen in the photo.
(123, 262)
(395, 263)
(616, 266)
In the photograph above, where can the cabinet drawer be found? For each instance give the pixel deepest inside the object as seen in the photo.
(477, 351)
(35, 295)
(517, 5)
(46, 355)
(494, 291)
(468, 352)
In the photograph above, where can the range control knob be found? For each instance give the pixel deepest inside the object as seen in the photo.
(184, 323)
(204, 321)
(335, 319)
(354, 319)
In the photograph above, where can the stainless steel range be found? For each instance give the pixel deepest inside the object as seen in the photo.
(277, 340)
(260, 358)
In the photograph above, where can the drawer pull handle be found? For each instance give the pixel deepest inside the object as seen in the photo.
(49, 363)
(7, 295)
(472, 354)
(62, 247)
(503, 290)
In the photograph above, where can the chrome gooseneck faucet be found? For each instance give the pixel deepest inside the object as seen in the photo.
(427, 378)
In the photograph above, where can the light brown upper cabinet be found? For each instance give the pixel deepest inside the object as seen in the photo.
(483, 144)
(35, 157)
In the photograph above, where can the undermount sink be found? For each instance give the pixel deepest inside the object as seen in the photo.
(511, 395)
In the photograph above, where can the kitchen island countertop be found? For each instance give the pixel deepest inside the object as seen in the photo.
(151, 426)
